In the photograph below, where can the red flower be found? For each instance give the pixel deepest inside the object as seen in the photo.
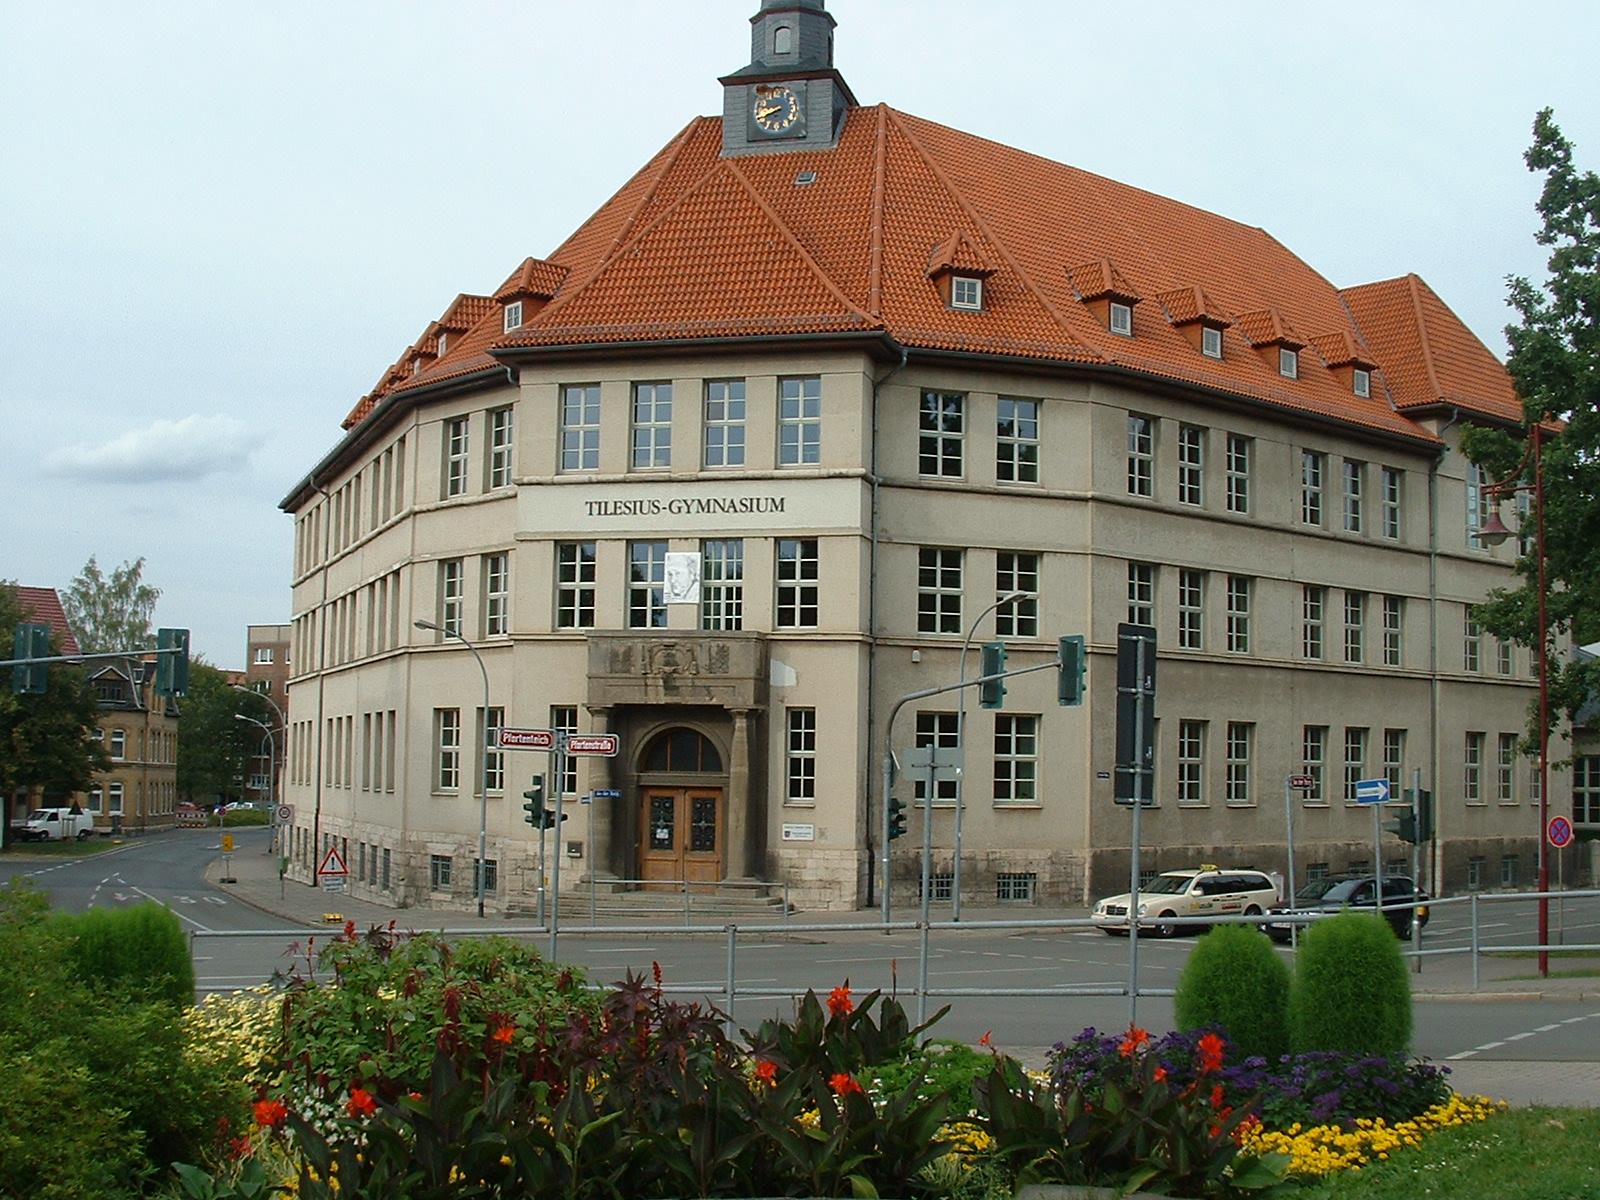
(985, 1039)
(361, 1103)
(1210, 1049)
(767, 1071)
(843, 1085)
(839, 1001)
(1216, 1096)
(271, 1113)
(1135, 1039)
(349, 931)
(1161, 1074)
(504, 1034)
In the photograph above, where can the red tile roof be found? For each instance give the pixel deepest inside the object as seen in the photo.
(696, 246)
(43, 607)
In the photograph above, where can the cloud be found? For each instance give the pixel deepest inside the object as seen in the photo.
(162, 452)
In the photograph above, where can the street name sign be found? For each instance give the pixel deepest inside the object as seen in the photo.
(603, 744)
(526, 739)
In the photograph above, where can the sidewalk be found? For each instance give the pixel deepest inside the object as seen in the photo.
(252, 878)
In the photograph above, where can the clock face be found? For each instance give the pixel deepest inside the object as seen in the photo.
(777, 111)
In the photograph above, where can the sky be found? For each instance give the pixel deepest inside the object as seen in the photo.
(221, 222)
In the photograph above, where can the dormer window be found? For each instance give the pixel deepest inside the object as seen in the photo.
(1121, 321)
(783, 40)
(1288, 363)
(444, 339)
(1211, 341)
(1361, 381)
(513, 318)
(966, 291)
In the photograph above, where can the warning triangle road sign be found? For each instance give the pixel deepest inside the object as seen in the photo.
(332, 863)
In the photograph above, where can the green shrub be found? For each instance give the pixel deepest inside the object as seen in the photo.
(1350, 991)
(1236, 981)
(140, 950)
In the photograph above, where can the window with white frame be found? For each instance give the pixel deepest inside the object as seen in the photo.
(1355, 627)
(647, 580)
(1313, 467)
(722, 584)
(1191, 762)
(724, 422)
(1210, 341)
(1141, 594)
(1472, 767)
(455, 457)
(1477, 503)
(939, 730)
(575, 575)
(564, 719)
(1313, 620)
(1015, 571)
(800, 421)
(1016, 441)
(500, 445)
(1394, 612)
(1121, 319)
(96, 797)
(1241, 739)
(1240, 452)
(1471, 645)
(1390, 503)
(496, 594)
(263, 654)
(494, 758)
(1191, 609)
(452, 595)
(1506, 769)
(119, 745)
(446, 749)
(801, 755)
(1016, 758)
(1585, 789)
(580, 427)
(512, 317)
(114, 798)
(1191, 464)
(652, 426)
(1239, 589)
(1355, 484)
(1288, 363)
(938, 590)
(439, 866)
(941, 425)
(966, 291)
(1314, 761)
(798, 570)
(1141, 455)
(1355, 760)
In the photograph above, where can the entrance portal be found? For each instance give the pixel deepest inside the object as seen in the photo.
(681, 837)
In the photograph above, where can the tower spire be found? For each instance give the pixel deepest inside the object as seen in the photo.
(790, 97)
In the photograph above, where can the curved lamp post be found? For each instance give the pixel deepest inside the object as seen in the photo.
(483, 765)
(272, 763)
(961, 741)
(1493, 533)
(275, 788)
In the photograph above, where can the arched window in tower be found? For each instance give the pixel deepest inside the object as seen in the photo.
(783, 40)
(683, 750)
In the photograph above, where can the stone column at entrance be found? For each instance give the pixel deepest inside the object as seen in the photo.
(602, 775)
(736, 863)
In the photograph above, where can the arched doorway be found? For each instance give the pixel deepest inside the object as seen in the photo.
(682, 819)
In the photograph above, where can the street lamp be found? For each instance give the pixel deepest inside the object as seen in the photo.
(483, 766)
(1493, 533)
(272, 764)
(275, 784)
(961, 741)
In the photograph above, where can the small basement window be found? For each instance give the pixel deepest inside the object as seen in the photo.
(1288, 363)
(1121, 319)
(1211, 341)
(513, 316)
(1362, 381)
(966, 291)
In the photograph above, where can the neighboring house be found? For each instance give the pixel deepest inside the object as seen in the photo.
(41, 606)
(139, 729)
(757, 450)
(267, 671)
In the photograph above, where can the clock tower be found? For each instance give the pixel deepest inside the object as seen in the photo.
(789, 97)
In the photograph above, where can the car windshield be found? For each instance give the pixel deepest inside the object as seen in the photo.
(1320, 889)
(1169, 885)
(38, 814)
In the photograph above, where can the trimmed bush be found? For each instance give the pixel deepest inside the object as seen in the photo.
(1350, 992)
(141, 950)
(1235, 980)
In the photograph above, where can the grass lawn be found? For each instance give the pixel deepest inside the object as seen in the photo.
(1520, 1154)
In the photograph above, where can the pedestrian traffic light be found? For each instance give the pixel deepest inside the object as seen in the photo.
(992, 692)
(1423, 806)
(1070, 668)
(535, 803)
(31, 641)
(1404, 826)
(897, 818)
(172, 662)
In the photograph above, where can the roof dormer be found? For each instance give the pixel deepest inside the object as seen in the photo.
(1349, 360)
(1106, 293)
(531, 286)
(1195, 315)
(1274, 339)
(960, 270)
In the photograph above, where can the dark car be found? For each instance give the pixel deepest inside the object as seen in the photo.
(1333, 893)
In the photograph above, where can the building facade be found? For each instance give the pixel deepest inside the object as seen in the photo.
(267, 671)
(138, 793)
(822, 399)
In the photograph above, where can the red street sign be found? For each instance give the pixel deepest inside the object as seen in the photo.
(527, 739)
(332, 863)
(1302, 782)
(1559, 831)
(592, 743)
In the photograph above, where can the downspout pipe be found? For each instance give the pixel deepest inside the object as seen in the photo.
(322, 672)
(1435, 751)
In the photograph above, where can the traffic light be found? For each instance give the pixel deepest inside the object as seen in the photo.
(1404, 826)
(535, 803)
(897, 818)
(31, 641)
(172, 662)
(550, 818)
(992, 692)
(1070, 666)
(1422, 801)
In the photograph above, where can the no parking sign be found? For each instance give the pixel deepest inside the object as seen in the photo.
(1559, 831)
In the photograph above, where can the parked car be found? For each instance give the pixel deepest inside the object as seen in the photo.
(1334, 893)
(55, 825)
(1207, 891)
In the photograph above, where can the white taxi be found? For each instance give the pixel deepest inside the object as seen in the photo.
(1207, 892)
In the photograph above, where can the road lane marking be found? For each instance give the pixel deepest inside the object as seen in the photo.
(175, 912)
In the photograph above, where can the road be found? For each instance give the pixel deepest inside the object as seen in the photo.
(170, 870)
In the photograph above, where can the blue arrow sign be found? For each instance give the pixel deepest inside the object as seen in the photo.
(1372, 791)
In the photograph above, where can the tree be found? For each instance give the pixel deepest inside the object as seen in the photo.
(47, 742)
(112, 614)
(1555, 365)
(214, 747)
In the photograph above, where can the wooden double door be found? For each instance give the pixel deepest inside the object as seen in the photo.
(681, 836)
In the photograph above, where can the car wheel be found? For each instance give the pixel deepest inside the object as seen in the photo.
(83, 835)
(1164, 927)
(1252, 911)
